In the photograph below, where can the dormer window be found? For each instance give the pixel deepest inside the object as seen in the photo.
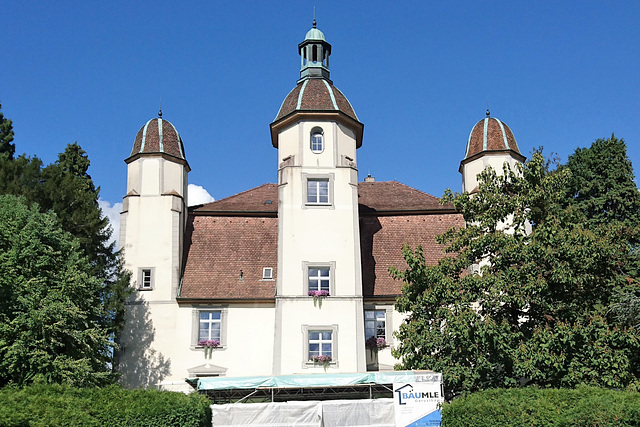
(317, 140)
(267, 273)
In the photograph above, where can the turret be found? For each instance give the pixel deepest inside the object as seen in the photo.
(490, 143)
(154, 209)
(317, 132)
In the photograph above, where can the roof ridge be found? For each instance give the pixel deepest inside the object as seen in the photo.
(402, 184)
(233, 196)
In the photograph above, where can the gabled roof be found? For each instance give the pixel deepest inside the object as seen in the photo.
(262, 199)
(225, 255)
(229, 241)
(392, 196)
(382, 238)
(373, 197)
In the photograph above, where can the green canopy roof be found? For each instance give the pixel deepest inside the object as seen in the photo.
(315, 380)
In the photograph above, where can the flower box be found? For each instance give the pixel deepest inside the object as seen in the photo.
(323, 360)
(374, 343)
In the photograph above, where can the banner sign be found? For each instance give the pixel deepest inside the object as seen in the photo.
(417, 403)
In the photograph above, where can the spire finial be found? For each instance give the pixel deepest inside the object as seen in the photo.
(488, 113)
(314, 17)
(160, 109)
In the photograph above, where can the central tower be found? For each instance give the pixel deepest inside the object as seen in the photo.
(319, 312)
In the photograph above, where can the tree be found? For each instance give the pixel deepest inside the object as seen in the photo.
(602, 184)
(66, 188)
(49, 303)
(509, 307)
(6, 136)
(69, 191)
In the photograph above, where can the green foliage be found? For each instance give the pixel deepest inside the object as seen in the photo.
(59, 405)
(602, 184)
(7, 148)
(50, 304)
(66, 188)
(526, 295)
(584, 406)
(21, 177)
(69, 191)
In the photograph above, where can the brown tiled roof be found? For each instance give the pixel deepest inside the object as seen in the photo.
(392, 196)
(239, 233)
(381, 241)
(380, 196)
(219, 249)
(316, 96)
(150, 140)
(498, 138)
(262, 199)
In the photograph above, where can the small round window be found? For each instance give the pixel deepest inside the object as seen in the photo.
(317, 140)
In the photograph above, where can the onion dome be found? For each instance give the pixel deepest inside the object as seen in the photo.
(315, 96)
(158, 136)
(491, 135)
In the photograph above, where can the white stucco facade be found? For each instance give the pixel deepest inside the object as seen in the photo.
(316, 306)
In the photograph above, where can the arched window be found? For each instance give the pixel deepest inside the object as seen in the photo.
(317, 140)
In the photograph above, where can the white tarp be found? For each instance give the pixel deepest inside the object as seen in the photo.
(267, 414)
(375, 412)
(370, 412)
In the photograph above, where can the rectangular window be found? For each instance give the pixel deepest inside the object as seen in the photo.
(316, 142)
(267, 273)
(375, 324)
(320, 344)
(319, 279)
(146, 278)
(318, 191)
(210, 322)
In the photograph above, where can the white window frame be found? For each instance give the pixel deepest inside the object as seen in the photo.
(306, 329)
(316, 132)
(195, 328)
(142, 272)
(267, 273)
(315, 189)
(307, 266)
(321, 279)
(213, 319)
(307, 178)
(379, 320)
(388, 325)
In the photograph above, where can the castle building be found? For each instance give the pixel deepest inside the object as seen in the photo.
(284, 278)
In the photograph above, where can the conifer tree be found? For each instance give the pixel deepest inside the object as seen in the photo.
(6, 136)
(66, 188)
(602, 184)
(50, 307)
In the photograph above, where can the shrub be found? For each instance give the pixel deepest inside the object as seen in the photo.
(530, 406)
(57, 405)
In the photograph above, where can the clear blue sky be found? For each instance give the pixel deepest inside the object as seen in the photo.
(419, 74)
